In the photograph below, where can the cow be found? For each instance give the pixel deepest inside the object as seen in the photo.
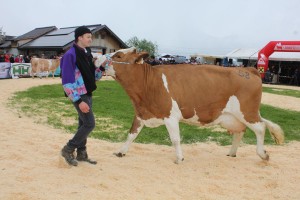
(201, 95)
(40, 65)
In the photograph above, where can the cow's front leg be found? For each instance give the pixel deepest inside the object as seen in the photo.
(136, 128)
(172, 125)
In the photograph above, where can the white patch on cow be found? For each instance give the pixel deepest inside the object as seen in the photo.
(259, 129)
(233, 108)
(172, 124)
(164, 78)
(131, 137)
(193, 120)
(175, 111)
(231, 118)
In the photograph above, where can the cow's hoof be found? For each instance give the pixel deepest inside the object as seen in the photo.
(231, 155)
(178, 161)
(265, 156)
(120, 155)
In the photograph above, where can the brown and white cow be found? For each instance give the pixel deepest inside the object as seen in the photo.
(205, 95)
(40, 65)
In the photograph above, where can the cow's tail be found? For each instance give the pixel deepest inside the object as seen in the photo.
(275, 131)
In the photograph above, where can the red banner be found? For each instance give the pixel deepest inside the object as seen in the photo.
(271, 47)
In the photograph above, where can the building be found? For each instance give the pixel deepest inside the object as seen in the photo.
(13, 46)
(50, 41)
(60, 40)
(5, 44)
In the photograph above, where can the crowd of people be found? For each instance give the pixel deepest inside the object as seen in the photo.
(21, 58)
(14, 58)
(286, 75)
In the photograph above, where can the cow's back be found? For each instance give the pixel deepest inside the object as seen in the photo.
(206, 89)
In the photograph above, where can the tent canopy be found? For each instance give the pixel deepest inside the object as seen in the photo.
(242, 53)
(252, 54)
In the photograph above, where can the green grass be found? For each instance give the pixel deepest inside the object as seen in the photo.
(114, 114)
(285, 92)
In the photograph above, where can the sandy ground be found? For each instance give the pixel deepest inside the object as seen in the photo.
(280, 101)
(31, 167)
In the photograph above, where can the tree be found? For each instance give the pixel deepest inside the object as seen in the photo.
(143, 45)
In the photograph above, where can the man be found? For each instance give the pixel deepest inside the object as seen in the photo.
(79, 74)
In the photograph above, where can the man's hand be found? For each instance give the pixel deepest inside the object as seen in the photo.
(84, 107)
(104, 63)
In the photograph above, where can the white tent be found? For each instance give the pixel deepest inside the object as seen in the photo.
(242, 54)
(252, 54)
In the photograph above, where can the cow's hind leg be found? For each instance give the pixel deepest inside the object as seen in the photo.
(259, 129)
(136, 128)
(237, 137)
(172, 125)
(233, 125)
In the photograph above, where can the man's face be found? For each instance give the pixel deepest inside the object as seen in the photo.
(85, 40)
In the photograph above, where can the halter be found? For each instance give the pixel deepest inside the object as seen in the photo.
(110, 61)
(127, 63)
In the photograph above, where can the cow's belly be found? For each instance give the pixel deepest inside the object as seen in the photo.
(192, 121)
(231, 118)
(229, 122)
(153, 122)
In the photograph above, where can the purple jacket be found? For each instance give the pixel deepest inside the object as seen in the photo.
(72, 80)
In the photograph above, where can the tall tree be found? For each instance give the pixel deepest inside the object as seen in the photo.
(143, 45)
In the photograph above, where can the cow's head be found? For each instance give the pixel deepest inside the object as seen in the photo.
(129, 57)
(123, 56)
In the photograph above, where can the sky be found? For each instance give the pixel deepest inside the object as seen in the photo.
(178, 27)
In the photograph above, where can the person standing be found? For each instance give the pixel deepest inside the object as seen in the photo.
(6, 58)
(12, 59)
(2, 59)
(79, 74)
(17, 59)
(26, 59)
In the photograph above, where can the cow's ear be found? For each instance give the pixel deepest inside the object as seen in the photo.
(118, 55)
(141, 56)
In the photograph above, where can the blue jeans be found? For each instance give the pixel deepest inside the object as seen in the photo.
(86, 123)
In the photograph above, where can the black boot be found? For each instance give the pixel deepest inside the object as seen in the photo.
(67, 153)
(83, 156)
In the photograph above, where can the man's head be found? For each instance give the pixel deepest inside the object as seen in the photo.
(83, 36)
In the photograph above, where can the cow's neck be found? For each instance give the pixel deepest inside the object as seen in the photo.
(135, 78)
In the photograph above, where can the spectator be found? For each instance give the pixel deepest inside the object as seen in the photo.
(2, 59)
(274, 72)
(12, 59)
(17, 59)
(268, 76)
(6, 58)
(27, 59)
(21, 59)
(294, 80)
